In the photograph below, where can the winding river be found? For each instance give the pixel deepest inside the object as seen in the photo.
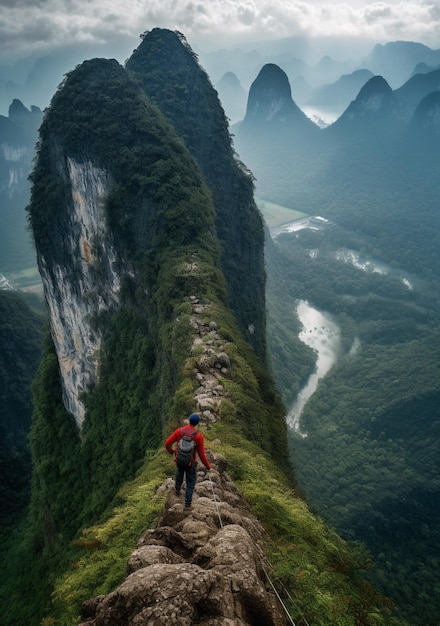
(322, 334)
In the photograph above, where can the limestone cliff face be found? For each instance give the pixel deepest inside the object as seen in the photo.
(98, 206)
(82, 282)
(202, 566)
(168, 72)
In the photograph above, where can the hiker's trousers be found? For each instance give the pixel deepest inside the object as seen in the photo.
(191, 477)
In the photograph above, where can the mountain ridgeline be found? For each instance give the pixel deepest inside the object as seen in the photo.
(150, 249)
(168, 72)
(124, 227)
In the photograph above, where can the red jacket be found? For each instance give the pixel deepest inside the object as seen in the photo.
(199, 440)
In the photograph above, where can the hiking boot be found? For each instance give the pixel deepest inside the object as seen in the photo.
(177, 492)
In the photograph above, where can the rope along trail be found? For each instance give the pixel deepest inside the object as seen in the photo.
(262, 564)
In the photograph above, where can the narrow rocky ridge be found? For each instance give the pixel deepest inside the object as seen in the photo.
(212, 364)
(204, 565)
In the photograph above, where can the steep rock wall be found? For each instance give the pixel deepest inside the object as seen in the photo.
(88, 255)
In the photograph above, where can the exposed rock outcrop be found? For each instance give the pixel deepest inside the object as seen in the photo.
(212, 363)
(73, 306)
(203, 566)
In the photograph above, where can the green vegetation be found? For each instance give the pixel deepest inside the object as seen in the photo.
(369, 464)
(168, 73)
(94, 491)
(98, 556)
(376, 475)
(381, 191)
(20, 348)
(161, 216)
(375, 412)
(321, 571)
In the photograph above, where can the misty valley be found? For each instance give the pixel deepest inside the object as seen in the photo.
(365, 447)
(349, 316)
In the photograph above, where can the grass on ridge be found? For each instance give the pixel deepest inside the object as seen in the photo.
(312, 562)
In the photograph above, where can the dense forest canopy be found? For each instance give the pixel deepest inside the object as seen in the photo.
(368, 463)
(21, 328)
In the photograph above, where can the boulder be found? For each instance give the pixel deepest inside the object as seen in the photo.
(199, 566)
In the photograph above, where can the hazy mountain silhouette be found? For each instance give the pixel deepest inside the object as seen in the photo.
(426, 118)
(18, 135)
(416, 89)
(271, 109)
(340, 93)
(424, 68)
(233, 96)
(396, 60)
(375, 108)
(327, 69)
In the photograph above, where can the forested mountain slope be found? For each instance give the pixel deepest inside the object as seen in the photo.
(21, 328)
(369, 463)
(168, 72)
(141, 334)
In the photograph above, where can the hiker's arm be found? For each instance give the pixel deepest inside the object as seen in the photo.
(201, 450)
(170, 441)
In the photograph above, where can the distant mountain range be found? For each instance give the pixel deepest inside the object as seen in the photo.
(382, 149)
(18, 136)
(323, 83)
(372, 177)
(396, 60)
(351, 100)
(376, 108)
(330, 85)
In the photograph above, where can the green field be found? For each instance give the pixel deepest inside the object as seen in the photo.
(276, 214)
(27, 279)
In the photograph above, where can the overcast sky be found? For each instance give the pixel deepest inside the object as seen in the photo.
(35, 26)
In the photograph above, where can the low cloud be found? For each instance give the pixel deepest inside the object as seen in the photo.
(38, 25)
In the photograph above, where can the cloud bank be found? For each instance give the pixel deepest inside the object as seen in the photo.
(37, 25)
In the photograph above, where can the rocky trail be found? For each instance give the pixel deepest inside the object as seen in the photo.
(204, 565)
(199, 566)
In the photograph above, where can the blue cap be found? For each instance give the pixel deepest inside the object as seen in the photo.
(194, 419)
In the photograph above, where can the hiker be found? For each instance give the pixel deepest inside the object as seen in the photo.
(186, 461)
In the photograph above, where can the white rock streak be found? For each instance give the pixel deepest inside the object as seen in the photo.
(84, 287)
